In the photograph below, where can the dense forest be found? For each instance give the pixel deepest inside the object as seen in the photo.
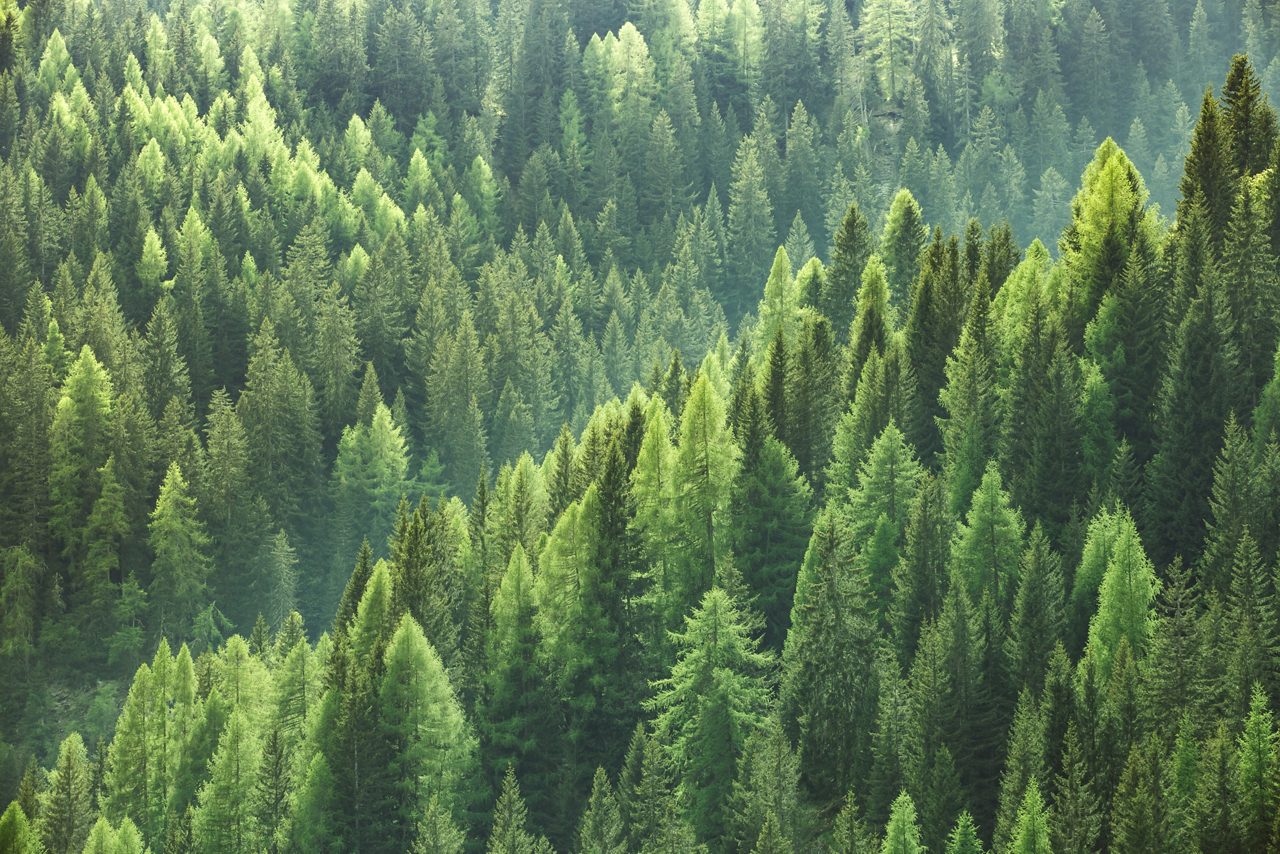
(724, 426)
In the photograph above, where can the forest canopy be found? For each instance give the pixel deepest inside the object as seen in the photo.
(725, 426)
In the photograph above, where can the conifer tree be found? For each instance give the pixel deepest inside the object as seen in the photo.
(1128, 588)
(1036, 623)
(704, 467)
(16, 832)
(225, 819)
(509, 834)
(66, 811)
(767, 791)
(432, 751)
(901, 244)
(964, 836)
(514, 704)
(751, 228)
(1210, 175)
(902, 835)
(1254, 781)
(94, 584)
(600, 831)
(849, 254)
(369, 478)
(1138, 821)
(871, 323)
(1248, 120)
(769, 510)
(827, 674)
(987, 546)
(1024, 770)
(970, 429)
(436, 833)
(920, 578)
(705, 710)
(79, 442)
(1031, 836)
(181, 567)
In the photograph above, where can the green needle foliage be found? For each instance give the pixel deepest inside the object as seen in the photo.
(627, 426)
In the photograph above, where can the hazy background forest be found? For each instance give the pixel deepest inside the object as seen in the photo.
(656, 426)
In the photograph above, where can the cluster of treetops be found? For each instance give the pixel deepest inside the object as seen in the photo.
(952, 546)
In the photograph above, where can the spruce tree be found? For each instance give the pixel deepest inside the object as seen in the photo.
(432, 750)
(902, 835)
(509, 834)
(901, 244)
(1036, 623)
(66, 811)
(705, 710)
(225, 819)
(1031, 836)
(970, 428)
(1254, 780)
(872, 321)
(181, 567)
(600, 830)
(1203, 356)
(987, 546)
(849, 254)
(704, 467)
